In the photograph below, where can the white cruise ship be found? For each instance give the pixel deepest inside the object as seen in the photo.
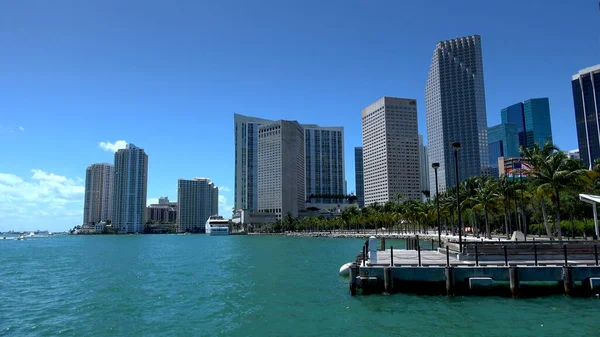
(216, 225)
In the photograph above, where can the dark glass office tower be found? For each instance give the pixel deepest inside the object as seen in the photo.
(360, 182)
(532, 119)
(586, 97)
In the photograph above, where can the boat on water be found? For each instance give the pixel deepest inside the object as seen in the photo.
(216, 225)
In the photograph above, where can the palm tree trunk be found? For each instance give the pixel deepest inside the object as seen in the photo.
(545, 215)
(558, 214)
(488, 232)
(505, 221)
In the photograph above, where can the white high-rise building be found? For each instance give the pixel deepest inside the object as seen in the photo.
(130, 189)
(246, 161)
(455, 109)
(197, 200)
(390, 150)
(281, 168)
(325, 165)
(98, 193)
(424, 168)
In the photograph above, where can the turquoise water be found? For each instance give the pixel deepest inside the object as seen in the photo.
(196, 285)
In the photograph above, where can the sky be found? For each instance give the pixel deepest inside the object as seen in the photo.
(80, 79)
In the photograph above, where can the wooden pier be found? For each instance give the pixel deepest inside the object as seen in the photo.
(492, 268)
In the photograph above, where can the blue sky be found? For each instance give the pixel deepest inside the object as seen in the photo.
(168, 76)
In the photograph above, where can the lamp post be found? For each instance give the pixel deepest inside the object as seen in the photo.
(456, 147)
(523, 215)
(435, 167)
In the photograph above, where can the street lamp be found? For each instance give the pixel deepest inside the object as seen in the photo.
(436, 166)
(456, 147)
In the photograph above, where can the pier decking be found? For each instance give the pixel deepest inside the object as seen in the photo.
(504, 268)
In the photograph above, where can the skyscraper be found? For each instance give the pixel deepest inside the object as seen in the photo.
(281, 168)
(423, 168)
(163, 200)
(359, 178)
(130, 189)
(246, 161)
(586, 98)
(98, 193)
(325, 165)
(390, 150)
(455, 109)
(532, 119)
(503, 140)
(197, 200)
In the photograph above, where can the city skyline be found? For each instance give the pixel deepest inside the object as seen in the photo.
(162, 85)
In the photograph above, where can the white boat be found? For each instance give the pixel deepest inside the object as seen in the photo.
(31, 234)
(216, 225)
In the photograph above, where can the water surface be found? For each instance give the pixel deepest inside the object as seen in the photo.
(197, 285)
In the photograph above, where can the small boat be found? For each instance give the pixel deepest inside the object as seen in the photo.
(21, 237)
(31, 234)
(216, 225)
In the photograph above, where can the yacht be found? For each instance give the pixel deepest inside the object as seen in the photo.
(216, 225)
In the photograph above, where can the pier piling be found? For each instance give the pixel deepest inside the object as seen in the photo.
(567, 276)
(353, 273)
(513, 276)
(449, 281)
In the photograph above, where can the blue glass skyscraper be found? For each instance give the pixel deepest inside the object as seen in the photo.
(532, 119)
(503, 141)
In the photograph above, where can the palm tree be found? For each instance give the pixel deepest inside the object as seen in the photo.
(555, 173)
(487, 199)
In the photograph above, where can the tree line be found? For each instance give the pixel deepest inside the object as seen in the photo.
(537, 204)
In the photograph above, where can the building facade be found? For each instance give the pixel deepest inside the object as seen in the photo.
(503, 140)
(532, 119)
(197, 200)
(281, 168)
(130, 189)
(586, 98)
(163, 200)
(162, 213)
(455, 110)
(246, 161)
(359, 177)
(390, 150)
(99, 179)
(324, 160)
(423, 169)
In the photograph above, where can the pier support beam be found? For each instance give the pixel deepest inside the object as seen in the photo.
(513, 276)
(373, 250)
(353, 274)
(388, 280)
(567, 278)
(382, 244)
(449, 282)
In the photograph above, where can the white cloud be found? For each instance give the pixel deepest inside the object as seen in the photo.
(45, 199)
(224, 189)
(151, 201)
(21, 128)
(113, 147)
(224, 207)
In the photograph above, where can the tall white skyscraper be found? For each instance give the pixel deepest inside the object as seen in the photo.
(325, 165)
(130, 189)
(455, 109)
(98, 193)
(390, 150)
(246, 161)
(281, 168)
(197, 200)
(424, 165)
